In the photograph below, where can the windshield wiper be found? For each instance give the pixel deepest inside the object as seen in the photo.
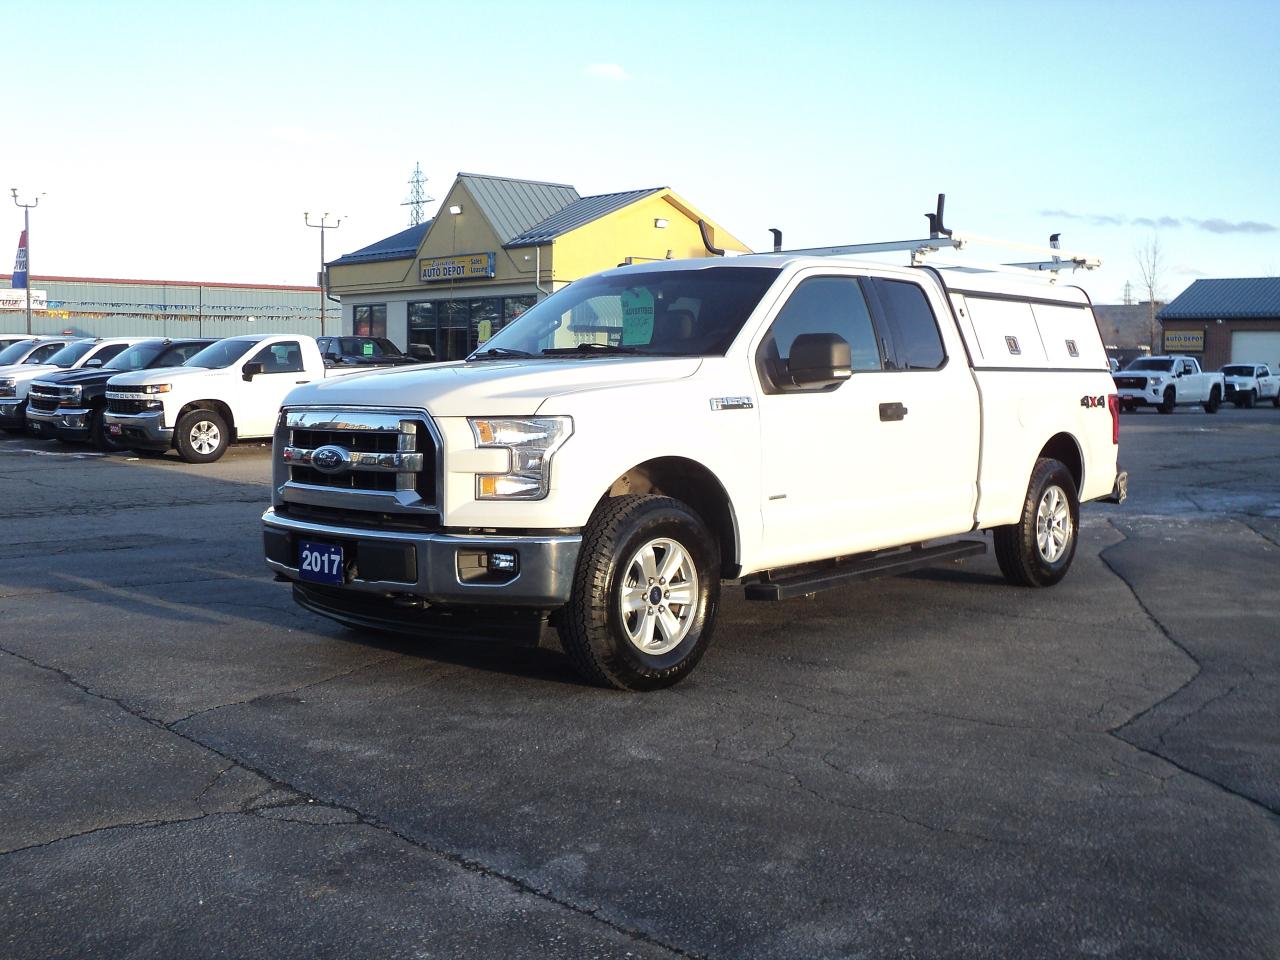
(500, 353)
(584, 348)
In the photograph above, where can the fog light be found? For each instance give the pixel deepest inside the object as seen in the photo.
(504, 561)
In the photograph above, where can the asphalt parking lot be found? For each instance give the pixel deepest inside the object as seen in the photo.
(934, 766)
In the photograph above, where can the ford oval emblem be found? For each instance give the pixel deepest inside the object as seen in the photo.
(331, 459)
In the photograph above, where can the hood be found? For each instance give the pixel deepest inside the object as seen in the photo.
(168, 375)
(81, 375)
(490, 387)
(28, 371)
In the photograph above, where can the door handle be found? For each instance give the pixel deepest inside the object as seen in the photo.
(892, 411)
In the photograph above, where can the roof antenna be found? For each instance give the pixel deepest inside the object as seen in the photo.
(936, 228)
(706, 239)
(777, 239)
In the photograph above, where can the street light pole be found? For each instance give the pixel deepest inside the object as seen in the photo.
(322, 226)
(26, 229)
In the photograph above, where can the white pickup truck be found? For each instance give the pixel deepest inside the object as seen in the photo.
(1169, 382)
(231, 390)
(45, 356)
(791, 422)
(1247, 383)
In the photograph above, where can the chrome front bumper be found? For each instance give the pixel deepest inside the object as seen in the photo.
(141, 429)
(438, 568)
(60, 419)
(11, 412)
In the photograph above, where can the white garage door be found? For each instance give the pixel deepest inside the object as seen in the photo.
(1256, 346)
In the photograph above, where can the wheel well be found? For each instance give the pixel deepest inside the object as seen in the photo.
(217, 406)
(695, 485)
(1064, 449)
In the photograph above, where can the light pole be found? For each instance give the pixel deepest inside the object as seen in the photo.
(26, 230)
(322, 226)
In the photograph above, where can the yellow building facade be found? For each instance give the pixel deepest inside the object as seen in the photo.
(496, 247)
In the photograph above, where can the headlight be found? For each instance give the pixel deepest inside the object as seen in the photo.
(157, 387)
(531, 443)
(7, 385)
(71, 394)
(1155, 381)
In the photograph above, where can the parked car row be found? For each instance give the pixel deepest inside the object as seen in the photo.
(197, 396)
(1172, 381)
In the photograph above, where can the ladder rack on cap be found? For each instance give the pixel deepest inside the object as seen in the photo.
(940, 238)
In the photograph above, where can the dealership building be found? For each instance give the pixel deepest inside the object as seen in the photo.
(496, 247)
(1225, 321)
(96, 307)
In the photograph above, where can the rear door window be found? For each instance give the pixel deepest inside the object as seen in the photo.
(913, 341)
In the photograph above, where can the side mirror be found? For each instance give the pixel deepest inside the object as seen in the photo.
(95, 362)
(251, 370)
(820, 359)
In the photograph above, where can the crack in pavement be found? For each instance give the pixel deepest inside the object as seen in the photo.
(1116, 731)
(359, 818)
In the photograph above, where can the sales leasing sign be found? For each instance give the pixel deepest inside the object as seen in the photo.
(17, 300)
(1184, 341)
(469, 266)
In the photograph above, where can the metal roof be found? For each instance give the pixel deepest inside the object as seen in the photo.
(577, 214)
(396, 247)
(1242, 298)
(513, 206)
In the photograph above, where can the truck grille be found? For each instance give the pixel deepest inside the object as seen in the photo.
(44, 400)
(1132, 383)
(130, 403)
(386, 460)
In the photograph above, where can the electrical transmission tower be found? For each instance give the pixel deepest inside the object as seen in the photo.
(417, 196)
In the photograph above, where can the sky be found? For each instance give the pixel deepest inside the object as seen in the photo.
(185, 141)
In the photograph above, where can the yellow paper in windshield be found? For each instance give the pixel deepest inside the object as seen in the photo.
(637, 316)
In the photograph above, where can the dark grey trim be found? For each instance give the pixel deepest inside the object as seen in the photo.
(1041, 370)
(1018, 298)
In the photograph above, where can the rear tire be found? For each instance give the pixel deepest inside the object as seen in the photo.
(1215, 400)
(645, 594)
(201, 436)
(1275, 401)
(1169, 402)
(1037, 550)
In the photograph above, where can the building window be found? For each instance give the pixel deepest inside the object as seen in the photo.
(370, 320)
(451, 329)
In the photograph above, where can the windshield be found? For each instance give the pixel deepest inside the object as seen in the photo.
(222, 354)
(70, 354)
(682, 313)
(363, 347)
(1151, 363)
(15, 352)
(1238, 371)
(137, 357)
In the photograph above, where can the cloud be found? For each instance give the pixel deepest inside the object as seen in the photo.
(1183, 270)
(606, 71)
(1216, 225)
(1212, 225)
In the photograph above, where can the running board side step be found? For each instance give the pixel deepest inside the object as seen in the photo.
(868, 567)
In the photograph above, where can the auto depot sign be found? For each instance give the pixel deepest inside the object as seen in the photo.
(17, 300)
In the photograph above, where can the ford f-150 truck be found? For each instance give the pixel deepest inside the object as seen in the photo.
(1247, 383)
(1169, 382)
(70, 405)
(605, 462)
(231, 390)
(73, 354)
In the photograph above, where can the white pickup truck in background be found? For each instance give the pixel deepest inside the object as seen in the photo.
(1247, 383)
(230, 390)
(1169, 382)
(792, 422)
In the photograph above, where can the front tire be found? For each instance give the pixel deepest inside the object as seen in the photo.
(201, 436)
(1169, 402)
(98, 436)
(1249, 399)
(645, 594)
(1037, 550)
(1215, 400)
